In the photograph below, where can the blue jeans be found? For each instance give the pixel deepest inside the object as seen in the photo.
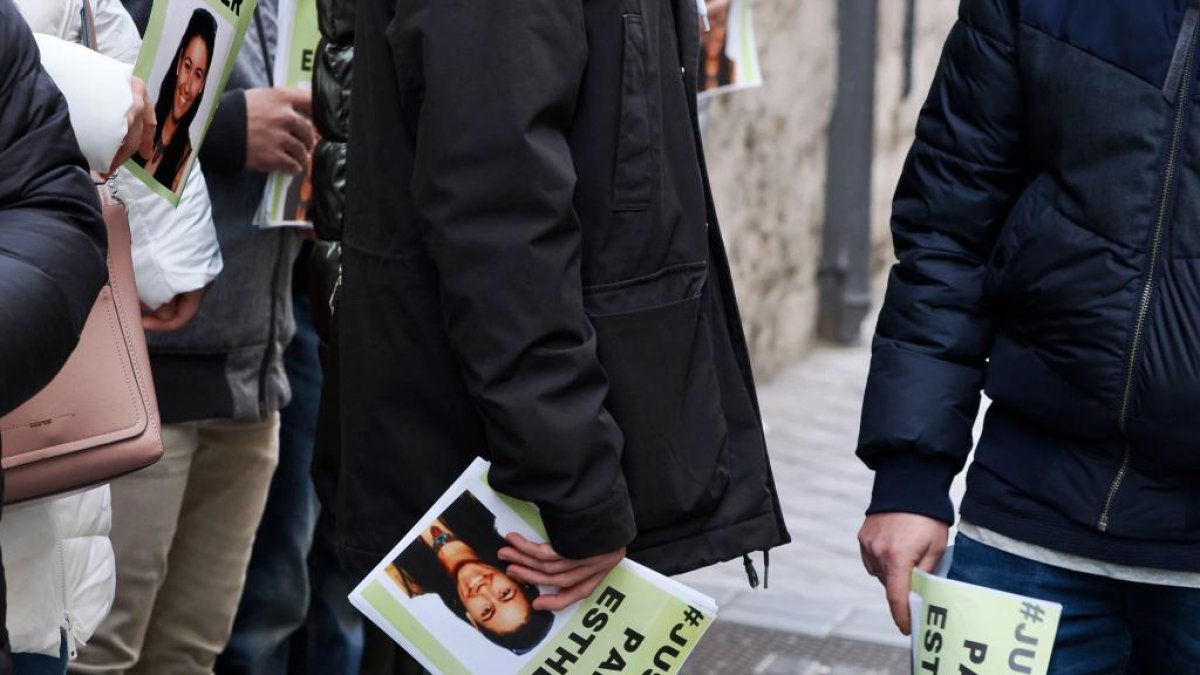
(274, 608)
(1108, 626)
(38, 664)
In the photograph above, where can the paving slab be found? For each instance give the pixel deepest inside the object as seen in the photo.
(822, 612)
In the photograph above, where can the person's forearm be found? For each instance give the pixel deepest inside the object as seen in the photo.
(495, 182)
(228, 155)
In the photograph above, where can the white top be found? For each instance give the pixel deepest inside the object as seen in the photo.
(175, 249)
(57, 556)
(1047, 556)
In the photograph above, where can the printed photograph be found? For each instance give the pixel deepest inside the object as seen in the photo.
(453, 570)
(192, 52)
(718, 64)
(728, 49)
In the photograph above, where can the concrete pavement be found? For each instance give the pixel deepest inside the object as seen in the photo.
(822, 612)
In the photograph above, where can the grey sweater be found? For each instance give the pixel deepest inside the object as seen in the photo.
(228, 362)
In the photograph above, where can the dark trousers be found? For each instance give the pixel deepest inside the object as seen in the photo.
(382, 656)
(278, 631)
(1107, 626)
(6, 666)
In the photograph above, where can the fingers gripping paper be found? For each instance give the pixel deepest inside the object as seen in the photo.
(287, 197)
(187, 54)
(963, 629)
(460, 613)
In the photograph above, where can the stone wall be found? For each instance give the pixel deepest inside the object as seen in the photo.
(896, 111)
(768, 150)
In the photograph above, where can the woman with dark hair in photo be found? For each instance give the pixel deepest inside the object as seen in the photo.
(179, 99)
(457, 558)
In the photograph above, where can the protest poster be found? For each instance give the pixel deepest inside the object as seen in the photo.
(969, 630)
(286, 201)
(443, 596)
(187, 54)
(729, 49)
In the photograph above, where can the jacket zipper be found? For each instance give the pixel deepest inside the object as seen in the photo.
(68, 627)
(1139, 326)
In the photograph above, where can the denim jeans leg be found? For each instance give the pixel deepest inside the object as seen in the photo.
(1166, 628)
(39, 664)
(274, 603)
(1093, 636)
(334, 635)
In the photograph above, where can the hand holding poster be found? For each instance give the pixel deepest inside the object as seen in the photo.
(286, 201)
(444, 596)
(968, 630)
(186, 57)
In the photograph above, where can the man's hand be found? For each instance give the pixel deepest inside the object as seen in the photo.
(175, 314)
(892, 544)
(140, 126)
(279, 133)
(539, 565)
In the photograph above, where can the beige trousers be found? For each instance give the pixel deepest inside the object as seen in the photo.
(182, 532)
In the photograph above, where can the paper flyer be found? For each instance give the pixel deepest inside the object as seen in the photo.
(286, 201)
(443, 596)
(729, 49)
(963, 629)
(187, 54)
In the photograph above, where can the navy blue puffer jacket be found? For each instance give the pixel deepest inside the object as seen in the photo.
(1047, 226)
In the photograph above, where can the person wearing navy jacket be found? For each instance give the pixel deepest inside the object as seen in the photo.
(1047, 226)
(52, 236)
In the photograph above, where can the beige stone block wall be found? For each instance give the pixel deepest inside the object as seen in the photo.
(767, 152)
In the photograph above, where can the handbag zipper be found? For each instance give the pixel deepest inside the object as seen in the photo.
(1139, 326)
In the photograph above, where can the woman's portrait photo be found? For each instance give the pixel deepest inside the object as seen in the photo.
(456, 560)
(717, 67)
(183, 82)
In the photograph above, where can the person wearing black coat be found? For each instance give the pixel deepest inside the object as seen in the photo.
(1046, 230)
(534, 273)
(52, 235)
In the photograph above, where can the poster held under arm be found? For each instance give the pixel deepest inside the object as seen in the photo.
(443, 595)
(187, 54)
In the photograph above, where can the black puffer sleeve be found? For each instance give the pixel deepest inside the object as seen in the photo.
(52, 236)
(964, 173)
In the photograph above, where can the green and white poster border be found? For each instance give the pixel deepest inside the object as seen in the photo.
(233, 18)
(637, 620)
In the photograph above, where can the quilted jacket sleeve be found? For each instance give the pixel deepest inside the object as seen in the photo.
(494, 181)
(52, 237)
(963, 174)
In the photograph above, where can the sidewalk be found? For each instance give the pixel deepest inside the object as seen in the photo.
(822, 612)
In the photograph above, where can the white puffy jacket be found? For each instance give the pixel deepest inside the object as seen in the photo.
(174, 249)
(57, 557)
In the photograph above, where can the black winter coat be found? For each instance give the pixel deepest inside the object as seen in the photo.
(1046, 226)
(52, 234)
(331, 115)
(534, 273)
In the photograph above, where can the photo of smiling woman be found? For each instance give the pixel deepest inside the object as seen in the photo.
(456, 558)
(179, 100)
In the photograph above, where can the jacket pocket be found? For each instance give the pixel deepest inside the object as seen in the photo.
(654, 343)
(634, 156)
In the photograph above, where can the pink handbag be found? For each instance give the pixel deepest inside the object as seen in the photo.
(98, 418)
